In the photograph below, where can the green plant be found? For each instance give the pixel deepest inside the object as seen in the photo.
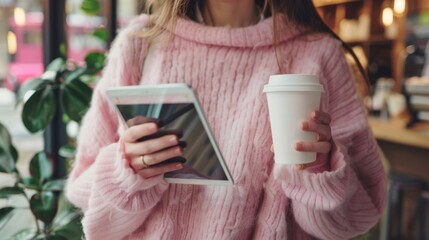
(39, 109)
(42, 192)
(55, 218)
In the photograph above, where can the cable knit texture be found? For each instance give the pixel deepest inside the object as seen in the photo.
(339, 198)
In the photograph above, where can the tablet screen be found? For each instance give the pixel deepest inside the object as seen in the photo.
(178, 114)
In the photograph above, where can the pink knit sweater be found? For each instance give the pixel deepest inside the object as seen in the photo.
(341, 197)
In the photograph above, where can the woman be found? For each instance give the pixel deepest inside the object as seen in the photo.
(226, 51)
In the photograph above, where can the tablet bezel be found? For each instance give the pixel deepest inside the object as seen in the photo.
(115, 94)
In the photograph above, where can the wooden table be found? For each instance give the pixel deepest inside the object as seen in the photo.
(407, 150)
(393, 130)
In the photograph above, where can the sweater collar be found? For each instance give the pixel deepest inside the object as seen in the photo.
(258, 35)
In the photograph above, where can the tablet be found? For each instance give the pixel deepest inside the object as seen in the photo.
(176, 109)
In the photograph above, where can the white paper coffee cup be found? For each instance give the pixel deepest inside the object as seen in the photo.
(291, 99)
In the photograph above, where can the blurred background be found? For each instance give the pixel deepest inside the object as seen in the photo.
(390, 38)
(27, 46)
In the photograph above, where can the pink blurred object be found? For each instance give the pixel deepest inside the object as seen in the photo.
(27, 62)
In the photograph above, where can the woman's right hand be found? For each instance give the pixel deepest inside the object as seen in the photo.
(145, 156)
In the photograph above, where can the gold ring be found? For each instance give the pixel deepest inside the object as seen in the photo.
(145, 165)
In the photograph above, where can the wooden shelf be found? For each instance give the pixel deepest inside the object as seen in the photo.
(379, 50)
(382, 53)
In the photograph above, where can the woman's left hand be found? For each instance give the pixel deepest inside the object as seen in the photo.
(318, 123)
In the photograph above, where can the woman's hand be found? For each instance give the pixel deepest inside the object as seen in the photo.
(145, 156)
(320, 124)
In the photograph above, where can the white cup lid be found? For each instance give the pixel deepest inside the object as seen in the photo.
(293, 82)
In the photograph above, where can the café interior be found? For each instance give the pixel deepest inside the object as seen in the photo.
(391, 41)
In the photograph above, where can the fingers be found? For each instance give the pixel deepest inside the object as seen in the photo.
(159, 169)
(323, 131)
(133, 133)
(321, 117)
(161, 133)
(300, 166)
(319, 123)
(140, 119)
(155, 158)
(322, 149)
(147, 148)
(152, 146)
(319, 147)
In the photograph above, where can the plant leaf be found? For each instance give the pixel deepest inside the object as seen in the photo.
(63, 51)
(94, 62)
(31, 84)
(67, 222)
(101, 33)
(72, 230)
(41, 166)
(75, 99)
(14, 154)
(67, 151)
(90, 7)
(44, 206)
(58, 64)
(5, 138)
(56, 237)
(5, 215)
(53, 69)
(25, 234)
(54, 185)
(39, 110)
(31, 183)
(8, 153)
(9, 191)
(75, 74)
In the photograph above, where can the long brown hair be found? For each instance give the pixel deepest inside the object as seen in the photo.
(164, 14)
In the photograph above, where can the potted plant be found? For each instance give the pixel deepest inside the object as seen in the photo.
(55, 218)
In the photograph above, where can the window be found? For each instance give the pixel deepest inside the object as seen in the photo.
(20, 58)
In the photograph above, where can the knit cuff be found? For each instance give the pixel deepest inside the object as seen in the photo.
(117, 182)
(324, 190)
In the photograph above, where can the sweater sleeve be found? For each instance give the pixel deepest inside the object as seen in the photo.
(345, 195)
(115, 200)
